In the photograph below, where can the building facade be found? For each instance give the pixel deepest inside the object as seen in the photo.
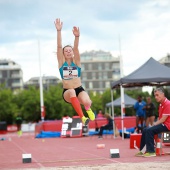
(165, 60)
(99, 69)
(47, 81)
(11, 74)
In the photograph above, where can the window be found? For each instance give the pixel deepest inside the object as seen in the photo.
(100, 75)
(116, 77)
(15, 71)
(116, 66)
(107, 66)
(83, 84)
(90, 85)
(93, 75)
(100, 66)
(84, 76)
(82, 67)
(3, 64)
(0, 74)
(100, 84)
(116, 74)
(105, 75)
(90, 66)
(35, 81)
(16, 81)
(15, 75)
(107, 84)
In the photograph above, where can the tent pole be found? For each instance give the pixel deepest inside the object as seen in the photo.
(105, 110)
(113, 113)
(121, 90)
(41, 87)
(122, 110)
(110, 112)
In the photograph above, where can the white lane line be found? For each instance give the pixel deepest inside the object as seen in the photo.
(26, 152)
(94, 155)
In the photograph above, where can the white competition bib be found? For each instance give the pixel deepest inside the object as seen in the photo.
(70, 72)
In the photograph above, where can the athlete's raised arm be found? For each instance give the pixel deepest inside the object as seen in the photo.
(76, 33)
(58, 25)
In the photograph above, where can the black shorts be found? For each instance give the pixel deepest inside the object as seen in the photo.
(77, 90)
(149, 114)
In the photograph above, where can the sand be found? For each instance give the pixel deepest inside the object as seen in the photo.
(115, 166)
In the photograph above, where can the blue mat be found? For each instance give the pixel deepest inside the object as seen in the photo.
(110, 132)
(131, 130)
(48, 134)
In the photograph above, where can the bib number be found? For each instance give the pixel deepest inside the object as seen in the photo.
(70, 72)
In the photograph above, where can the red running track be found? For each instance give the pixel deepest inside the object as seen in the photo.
(58, 152)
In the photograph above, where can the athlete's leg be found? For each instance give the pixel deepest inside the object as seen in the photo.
(137, 121)
(85, 100)
(151, 120)
(147, 122)
(70, 97)
(141, 120)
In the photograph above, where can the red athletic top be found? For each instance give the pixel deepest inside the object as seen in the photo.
(164, 109)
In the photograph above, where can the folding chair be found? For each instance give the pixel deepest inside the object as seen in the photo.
(159, 141)
(165, 139)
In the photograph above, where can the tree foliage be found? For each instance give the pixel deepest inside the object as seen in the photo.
(7, 106)
(27, 103)
(55, 106)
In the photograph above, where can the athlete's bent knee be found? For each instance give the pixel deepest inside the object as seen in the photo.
(87, 102)
(71, 92)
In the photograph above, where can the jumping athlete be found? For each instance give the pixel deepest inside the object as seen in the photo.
(70, 71)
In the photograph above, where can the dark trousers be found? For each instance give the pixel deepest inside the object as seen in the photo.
(106, 127)
(18, 127)
(148, 136)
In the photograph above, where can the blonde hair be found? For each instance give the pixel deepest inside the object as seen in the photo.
(107, 115)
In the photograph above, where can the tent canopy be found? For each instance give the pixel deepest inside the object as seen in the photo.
(129, 102)
(151, 73)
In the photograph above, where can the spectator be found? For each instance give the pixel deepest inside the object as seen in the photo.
(18, 123)
(150, 114)
(100, 114)
(140, 113)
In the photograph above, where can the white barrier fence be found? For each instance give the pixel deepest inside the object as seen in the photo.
(30, 127)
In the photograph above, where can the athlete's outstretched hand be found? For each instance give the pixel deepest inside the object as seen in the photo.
(58, 24)
(76, 31)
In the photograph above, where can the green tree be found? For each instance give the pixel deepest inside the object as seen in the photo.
(28, 102)
(96, 102)
(7, 105)
(106, 98)
(55, 106)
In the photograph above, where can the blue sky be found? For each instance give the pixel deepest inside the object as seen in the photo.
(143, 26)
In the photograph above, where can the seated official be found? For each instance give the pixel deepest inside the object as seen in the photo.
(108, 126)
(161, 125)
